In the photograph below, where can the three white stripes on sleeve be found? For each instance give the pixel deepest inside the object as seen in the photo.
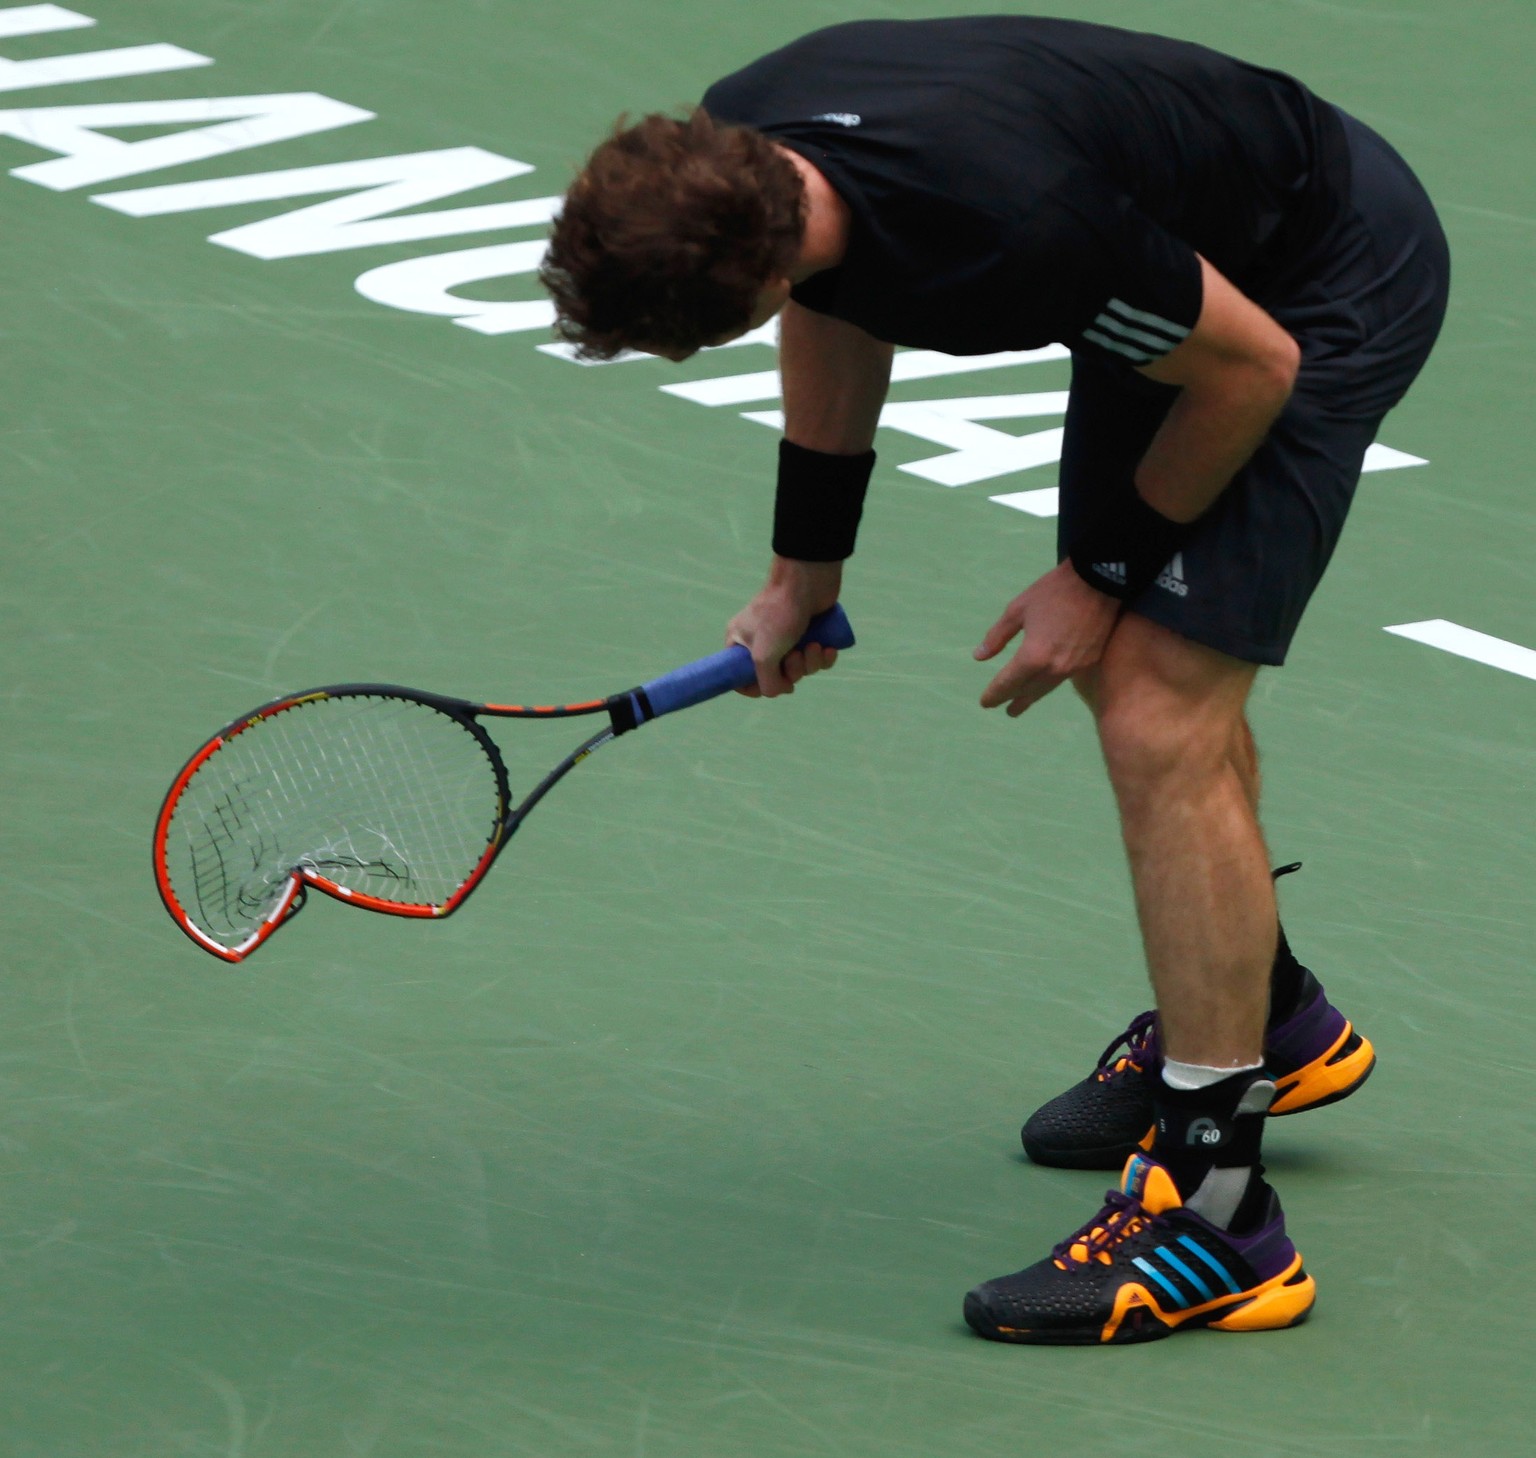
(1138, 335)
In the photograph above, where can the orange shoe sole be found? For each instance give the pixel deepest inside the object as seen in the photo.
(1326, 1079)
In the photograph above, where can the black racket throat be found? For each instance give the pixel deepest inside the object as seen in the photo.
(517, 815)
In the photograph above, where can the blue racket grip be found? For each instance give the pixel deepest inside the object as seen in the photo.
(731, 668)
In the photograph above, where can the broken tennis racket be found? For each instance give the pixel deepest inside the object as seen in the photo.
(383, 797)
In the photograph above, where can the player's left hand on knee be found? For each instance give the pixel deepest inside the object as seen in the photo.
(1065, 623)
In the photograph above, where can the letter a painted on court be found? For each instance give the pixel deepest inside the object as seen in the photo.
(88, 156)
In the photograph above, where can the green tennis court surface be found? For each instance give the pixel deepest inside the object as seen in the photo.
(688, 1135)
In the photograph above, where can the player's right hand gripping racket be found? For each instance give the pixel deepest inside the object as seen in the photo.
(383, 797)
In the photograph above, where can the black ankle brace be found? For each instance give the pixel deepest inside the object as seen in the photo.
(1220, 1126)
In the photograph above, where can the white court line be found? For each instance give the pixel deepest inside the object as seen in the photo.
(1044, 501)
(1383, 458)
(1468, 643)
(910, 364)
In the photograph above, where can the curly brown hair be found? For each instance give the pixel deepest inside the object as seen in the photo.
(669, 234)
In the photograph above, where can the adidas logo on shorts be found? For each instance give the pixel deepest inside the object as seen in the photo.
(1111, 572)
(1171, 579)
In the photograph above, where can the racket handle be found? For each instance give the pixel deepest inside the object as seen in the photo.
(731, 668)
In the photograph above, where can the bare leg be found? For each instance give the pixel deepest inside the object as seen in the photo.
(1185, 775)
(1245, 760)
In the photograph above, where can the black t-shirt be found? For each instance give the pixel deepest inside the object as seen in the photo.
(1015, 182)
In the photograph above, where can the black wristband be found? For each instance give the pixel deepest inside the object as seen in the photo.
(818, 504)
(1126, 546)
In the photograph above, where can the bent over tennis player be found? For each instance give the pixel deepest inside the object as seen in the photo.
(1248, 280)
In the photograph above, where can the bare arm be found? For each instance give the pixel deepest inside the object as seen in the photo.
(835, 377)
(1236, 370)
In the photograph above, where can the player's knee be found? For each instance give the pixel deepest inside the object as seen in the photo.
(1150, 741)
(1165, 707)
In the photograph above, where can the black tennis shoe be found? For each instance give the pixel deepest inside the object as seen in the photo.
(1145, 1267)
(1315, 1057)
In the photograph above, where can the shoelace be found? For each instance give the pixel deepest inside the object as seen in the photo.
(1122, 1217)
(1137, 1040)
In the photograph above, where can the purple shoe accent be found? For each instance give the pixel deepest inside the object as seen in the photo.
(1307, 1035)
(1268, 1249)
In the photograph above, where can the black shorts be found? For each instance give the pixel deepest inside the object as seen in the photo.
(1365, 323)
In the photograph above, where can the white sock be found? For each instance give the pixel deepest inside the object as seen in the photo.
(1191, 1076)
